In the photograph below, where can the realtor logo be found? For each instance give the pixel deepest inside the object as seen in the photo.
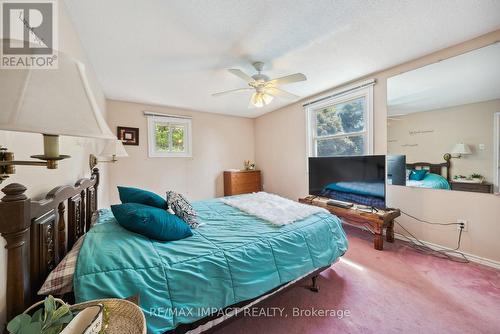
(29, 34)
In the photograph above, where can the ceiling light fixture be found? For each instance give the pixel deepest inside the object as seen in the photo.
(259, 100)
(264, 89)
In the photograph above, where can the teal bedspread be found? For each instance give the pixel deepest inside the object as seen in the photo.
(231, 258)
(431, 180)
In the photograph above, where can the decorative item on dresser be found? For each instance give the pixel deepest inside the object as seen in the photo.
(377, 220)
(483, 187)
(35, 231)
(242, 182)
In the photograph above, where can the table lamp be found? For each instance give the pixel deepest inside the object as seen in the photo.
(460, 149)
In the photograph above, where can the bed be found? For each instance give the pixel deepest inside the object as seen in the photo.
(438, 176)
(432, 181)
(234, 260)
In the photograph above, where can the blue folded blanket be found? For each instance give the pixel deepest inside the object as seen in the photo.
(375, 189)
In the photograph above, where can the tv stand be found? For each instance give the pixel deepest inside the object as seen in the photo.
(378, 219)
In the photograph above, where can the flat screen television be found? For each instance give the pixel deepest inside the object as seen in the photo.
(354, 179)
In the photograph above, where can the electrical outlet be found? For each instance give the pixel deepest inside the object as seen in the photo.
(462, 223)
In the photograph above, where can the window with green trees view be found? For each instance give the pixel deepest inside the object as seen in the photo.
(341, 126)
(169, 136)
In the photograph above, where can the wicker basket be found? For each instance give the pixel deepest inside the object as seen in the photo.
(124, 317)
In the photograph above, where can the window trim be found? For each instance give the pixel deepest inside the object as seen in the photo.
(153, 119)
(340, 97)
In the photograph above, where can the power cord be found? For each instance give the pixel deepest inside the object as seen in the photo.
(427, 222)
(419, 246)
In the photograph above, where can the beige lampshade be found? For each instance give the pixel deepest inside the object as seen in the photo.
(114, 148)
(51, 101)
(461, 148)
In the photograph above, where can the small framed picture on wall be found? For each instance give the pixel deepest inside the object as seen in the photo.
(128, 136)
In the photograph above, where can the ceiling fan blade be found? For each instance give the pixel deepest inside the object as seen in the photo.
(281, 93)
(232, 91)
(287, 79)
(242, 75)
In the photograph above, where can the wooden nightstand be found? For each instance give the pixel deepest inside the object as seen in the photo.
(242, 182)
(474, 187)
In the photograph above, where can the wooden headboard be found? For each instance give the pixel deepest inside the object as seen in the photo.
(442, 169)
(39, 233)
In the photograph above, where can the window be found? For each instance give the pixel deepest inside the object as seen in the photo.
(341, 125)
(169, 136)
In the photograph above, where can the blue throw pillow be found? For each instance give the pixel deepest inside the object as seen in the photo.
(418, 174)
(136, 195)
(151, 222)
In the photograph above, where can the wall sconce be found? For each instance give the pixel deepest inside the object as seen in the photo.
(51, 102)
(114, 149)
(458, 150)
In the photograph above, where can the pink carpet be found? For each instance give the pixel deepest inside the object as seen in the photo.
(397, 290)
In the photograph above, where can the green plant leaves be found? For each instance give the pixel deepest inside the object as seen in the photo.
(37, 316)
(18, 322)
(64, 319)
(53, 330)
(49, 304)
(32, 328)
(46, 320)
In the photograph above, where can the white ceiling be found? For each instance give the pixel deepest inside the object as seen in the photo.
(468, 78)
(175, 52)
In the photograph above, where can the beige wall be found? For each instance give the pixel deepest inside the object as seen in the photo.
(40, 180)
(437, 131)
(219, 142)
(280, 148)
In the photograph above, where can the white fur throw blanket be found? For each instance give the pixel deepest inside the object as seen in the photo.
(273, 208)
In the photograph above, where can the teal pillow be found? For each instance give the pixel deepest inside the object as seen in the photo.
(136, 195)
(418, 174)
(151, 222)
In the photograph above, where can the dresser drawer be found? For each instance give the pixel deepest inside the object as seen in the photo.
(245, 178)
(242, 182)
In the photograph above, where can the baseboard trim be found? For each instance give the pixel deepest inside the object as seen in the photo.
(470, 257)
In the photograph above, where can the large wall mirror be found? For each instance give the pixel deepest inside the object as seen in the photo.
(443, 124)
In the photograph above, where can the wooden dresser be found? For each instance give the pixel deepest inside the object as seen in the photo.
(242, 182)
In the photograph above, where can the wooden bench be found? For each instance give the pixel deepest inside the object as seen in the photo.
(377, 220)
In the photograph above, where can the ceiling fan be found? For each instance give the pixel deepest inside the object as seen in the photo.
(265, 88)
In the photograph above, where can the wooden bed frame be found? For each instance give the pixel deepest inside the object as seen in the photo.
(434, 168)
(39, 233)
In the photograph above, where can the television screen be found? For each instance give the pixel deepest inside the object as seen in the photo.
(355, 179)
(396, 170)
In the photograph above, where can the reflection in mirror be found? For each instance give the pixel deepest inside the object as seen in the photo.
(443, 124)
